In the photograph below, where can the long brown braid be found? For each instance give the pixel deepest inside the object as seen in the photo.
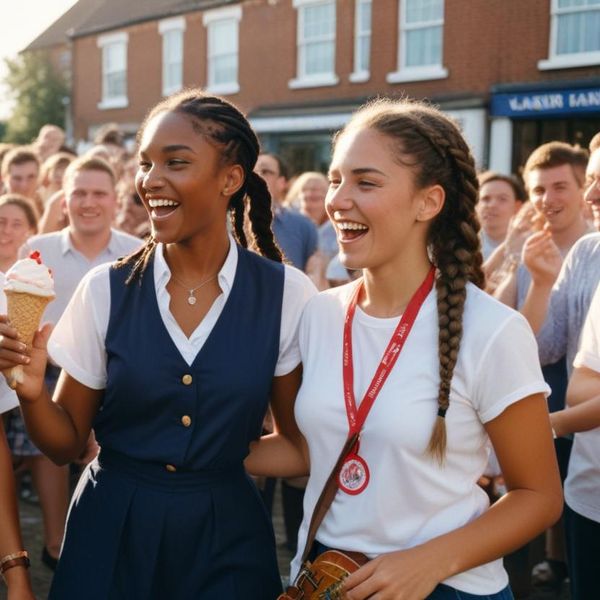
(431, 144)
(227, 128)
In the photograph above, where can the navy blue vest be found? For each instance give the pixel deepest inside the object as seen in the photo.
(156, 407)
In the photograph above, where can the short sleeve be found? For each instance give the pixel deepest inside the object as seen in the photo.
(509, 369)
(77, 343)
(589, 349)
(298, 289)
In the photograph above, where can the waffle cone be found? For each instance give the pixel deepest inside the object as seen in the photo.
(25, 313)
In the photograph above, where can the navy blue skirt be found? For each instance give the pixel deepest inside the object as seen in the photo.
(138, 531)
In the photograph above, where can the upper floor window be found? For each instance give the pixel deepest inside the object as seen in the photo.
(420, 45)
(114, 70)
(574, 34)
(172, 54)
(223, 26)
(362, 40)
(315, 43)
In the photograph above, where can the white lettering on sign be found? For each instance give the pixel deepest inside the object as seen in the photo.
(536, 102)
(584, 99)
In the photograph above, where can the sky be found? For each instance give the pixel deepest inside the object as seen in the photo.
(22, 21)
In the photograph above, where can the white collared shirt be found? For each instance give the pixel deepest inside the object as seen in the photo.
(68, 265)
(77, 343)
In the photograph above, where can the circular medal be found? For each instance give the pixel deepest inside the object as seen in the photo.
(354, 475)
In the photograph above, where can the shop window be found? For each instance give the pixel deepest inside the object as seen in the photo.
(315, 44)
(574, 34)
(114, 70)
(172, 54)
(223, 46)
(362, 40)
(420, 47)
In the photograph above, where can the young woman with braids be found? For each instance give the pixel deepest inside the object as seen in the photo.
(171, 355)
(402, 198)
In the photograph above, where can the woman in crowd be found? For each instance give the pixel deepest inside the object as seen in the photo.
(402, 198)
(160, 355)
(17, 223)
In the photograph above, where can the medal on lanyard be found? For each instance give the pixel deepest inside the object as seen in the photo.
(354, 474)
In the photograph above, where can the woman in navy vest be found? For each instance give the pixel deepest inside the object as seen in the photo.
(171, 355)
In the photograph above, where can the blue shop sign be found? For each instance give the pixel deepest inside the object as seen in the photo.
(547, 103)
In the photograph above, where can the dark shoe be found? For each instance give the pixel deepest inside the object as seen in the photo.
(49, 560)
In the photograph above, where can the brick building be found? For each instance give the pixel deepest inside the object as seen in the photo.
(514, 73)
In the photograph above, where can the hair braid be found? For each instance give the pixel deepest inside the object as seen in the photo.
(138, 261)
(261, 218)
(455, 249)
(431, 144)
(237, 212)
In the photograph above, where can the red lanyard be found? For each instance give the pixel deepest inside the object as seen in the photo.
(357, 417)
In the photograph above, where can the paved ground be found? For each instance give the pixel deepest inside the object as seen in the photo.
(32, 527)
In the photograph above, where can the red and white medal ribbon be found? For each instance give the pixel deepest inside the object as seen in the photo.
(354, 474)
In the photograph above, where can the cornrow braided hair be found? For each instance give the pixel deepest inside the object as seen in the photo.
(431, 144)
(227, 128)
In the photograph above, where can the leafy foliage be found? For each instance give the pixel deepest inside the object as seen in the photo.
(39, 93)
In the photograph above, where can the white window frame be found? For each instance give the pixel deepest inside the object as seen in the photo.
(103, 41)
(360, 75)
(302, 80)
(417, 73)
(166, 26)
(230, 13)
(566, 61)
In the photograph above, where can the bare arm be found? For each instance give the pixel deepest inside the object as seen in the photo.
(583, 385)
(506, 290)
(523, 443)
(284, 452)
(10, 535)
(59, 428)
(581, 417)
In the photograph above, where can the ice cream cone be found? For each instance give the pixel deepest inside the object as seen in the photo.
(24, 314)
(28, 288)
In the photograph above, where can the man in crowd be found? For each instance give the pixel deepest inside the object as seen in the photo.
(21, 174)
(296, 234)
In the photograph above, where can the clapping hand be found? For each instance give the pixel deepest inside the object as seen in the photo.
(542, 258)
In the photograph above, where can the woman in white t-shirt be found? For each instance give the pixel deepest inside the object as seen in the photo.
(402, 197)
(582, 486)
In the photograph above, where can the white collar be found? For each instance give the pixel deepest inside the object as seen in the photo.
(225, 277)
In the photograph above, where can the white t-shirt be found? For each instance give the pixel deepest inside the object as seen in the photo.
(410, 499)
(8, 397)
(77, 343)
(582, 487)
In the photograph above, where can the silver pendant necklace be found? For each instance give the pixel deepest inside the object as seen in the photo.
(191, 299)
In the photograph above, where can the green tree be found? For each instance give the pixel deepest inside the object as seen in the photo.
(39, 94)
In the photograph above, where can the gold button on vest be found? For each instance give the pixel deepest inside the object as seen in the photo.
(186, 379)
(171, 468)
(186, 420)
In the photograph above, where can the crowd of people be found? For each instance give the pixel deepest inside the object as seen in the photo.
(219, 325)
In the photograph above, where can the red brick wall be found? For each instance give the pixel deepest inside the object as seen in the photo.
(486, 42)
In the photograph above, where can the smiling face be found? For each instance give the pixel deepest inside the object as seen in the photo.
(14, 231)
(557, 195)
(592, 186)
(23, 179)
(373, 202)
(91, 202)
(312, 200)
(496, 206)
(181, 179)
